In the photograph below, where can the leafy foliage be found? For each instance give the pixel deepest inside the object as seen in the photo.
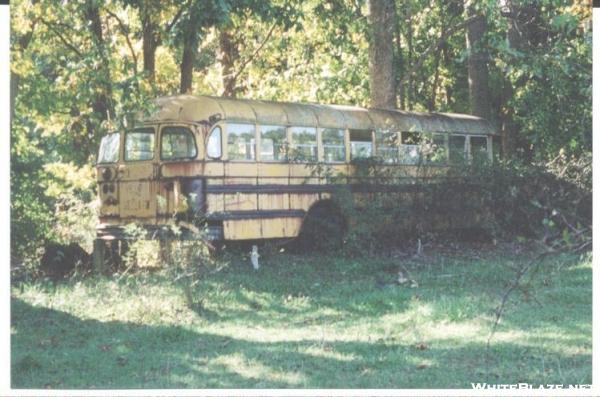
(483, 200)
(83, 68)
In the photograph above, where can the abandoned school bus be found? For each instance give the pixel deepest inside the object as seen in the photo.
(241, 169)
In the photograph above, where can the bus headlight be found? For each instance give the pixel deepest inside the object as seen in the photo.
(106, 174)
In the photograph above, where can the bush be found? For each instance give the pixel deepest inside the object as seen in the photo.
(386, 208)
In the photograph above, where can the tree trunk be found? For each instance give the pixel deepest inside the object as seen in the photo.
(102, 103)
(382, 21)
(479, 93)
(190, 47)
(508, 128)
(409, 43)
(436, 77)
(150, 43)
(400, 63)
(153, 30)
(436, 80)
(229, 54)
(448, 87)
(517, 35)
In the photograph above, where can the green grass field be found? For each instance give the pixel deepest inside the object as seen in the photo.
(311, 322)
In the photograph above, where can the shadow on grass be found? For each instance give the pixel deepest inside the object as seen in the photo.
(73, 352)
(348, 287)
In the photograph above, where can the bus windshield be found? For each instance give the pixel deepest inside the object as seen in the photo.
(109, 148)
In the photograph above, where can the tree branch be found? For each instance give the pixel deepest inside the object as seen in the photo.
(434, 46)
(177, 16)
(62, 38)
(251, 58)
(125, 32)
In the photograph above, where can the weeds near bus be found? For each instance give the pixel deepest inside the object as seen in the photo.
(386, 207)
(190, 263)
(186, 261)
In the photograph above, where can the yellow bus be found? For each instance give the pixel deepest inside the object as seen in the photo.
(245, 168)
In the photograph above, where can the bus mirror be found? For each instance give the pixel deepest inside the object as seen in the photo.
(212, 119)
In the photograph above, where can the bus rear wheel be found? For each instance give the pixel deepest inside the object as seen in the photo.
(323, 228)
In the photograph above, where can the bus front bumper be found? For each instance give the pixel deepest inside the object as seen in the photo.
(157, 232)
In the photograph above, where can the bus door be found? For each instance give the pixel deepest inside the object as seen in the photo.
(181, 184)
(137, 174)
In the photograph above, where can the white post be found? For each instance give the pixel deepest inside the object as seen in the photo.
(254, 257)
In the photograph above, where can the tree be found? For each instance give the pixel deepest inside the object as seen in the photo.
(154, 28)
(479, 93)
(194, 21)
(102, 103)
(76, 65)
(382, 23)
(234, 34)
(21, 42)
(546, 65)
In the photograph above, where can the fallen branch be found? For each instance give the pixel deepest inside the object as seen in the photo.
(514, 285)
(530, 267)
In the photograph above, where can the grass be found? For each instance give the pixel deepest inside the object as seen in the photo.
(310, 322)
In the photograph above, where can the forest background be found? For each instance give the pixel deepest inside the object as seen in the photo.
(80, 69)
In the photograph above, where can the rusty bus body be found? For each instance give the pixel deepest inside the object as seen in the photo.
(226, 161)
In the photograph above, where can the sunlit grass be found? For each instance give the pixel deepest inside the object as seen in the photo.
(309, 322)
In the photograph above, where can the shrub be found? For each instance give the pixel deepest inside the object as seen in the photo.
(386, 208)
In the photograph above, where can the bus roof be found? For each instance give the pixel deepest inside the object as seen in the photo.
(191, 108)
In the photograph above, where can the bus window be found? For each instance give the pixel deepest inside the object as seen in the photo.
(457, 145)
(241, 140)
(177, 143)
(304, 143)
(361, 144)
(334, 150)
(273, 143)
(387, 146)
(109, 148)
(213, 145)
(435, 150)
(139, 144)
(478, 145)
(410, 148)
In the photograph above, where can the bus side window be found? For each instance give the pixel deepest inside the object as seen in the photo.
(334, 150)
(410, 150)
(241, 141)
(361, 144)
(435, 150)
(304, 143)
(387, 145)
(458, 150)
(213, 145)
(273, 143)
(479, 149)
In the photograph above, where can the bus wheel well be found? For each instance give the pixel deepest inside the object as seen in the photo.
(323, 227)
(325, 205)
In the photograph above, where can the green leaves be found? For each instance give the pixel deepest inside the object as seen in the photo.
(317, 51)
